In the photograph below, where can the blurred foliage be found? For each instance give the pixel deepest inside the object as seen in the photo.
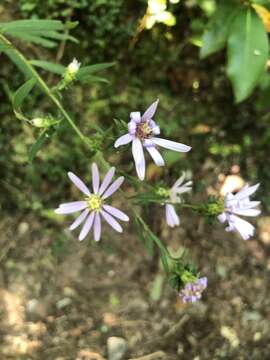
(196, 101)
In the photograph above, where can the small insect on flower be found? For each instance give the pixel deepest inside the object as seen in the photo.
(240, 204)
(94, 206)
(192, 291)
(174, 195)
(142, 132)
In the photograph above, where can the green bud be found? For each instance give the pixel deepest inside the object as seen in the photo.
(163, 192)
(44, 122)
(38, 122)
(187, 277)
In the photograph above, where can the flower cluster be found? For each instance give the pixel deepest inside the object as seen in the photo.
(143, 133)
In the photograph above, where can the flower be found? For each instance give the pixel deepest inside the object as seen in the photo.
(193, 290)
(142, 131)
(73, 67)
(94, 206)
(240, 204)
(174, 194)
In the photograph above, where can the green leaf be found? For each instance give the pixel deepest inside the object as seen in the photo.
(156, 290)
(92, 79)
(31, 26)
(91, 69)
(22, 93)
(49, 66)
(38, 31)
(14, 56)
(37, 145)
(216, 34)
(164, 261)
(34, 39)
(248, 49)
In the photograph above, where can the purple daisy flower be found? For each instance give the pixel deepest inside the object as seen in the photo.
(94, 206)
(240, 204)
(142, 131)
(192, 291)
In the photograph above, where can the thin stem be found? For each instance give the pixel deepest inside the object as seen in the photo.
(42, 85)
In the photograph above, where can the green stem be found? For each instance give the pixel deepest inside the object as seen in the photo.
(42, 84)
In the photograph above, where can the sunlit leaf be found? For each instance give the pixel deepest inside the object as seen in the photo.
(216, 34)
(264, 15)
(248, 49)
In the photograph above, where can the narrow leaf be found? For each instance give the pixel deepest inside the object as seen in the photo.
(31, 26)
(37, 145)
(92, 79)
(91, 69)
(36, 39)
(49, 66)
(23, 92)
(248, 49)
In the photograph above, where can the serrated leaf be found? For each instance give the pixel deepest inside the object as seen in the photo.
(22, 93)
(34, 149)
(216, 34)
(49, 66)
(248, 49)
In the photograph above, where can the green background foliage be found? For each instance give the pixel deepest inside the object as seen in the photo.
(196, 99)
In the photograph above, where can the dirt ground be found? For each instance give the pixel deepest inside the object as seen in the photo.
(64, 302)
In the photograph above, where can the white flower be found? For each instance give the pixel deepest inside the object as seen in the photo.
(240, 204)
(73, 67)
(174, 194)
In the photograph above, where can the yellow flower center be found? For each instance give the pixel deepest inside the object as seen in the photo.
(143, 130)
(94, 202)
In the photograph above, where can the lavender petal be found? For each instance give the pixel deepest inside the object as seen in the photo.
(113, 187)
(154, 153)
(140, 169)
(97, 227)
(123, 140)
(80, 219)
(81, 205)
(150, 111)
(137, 150)
(172, 145)
(87, 226)
(116, 212)
(111, 221)
(79, 183)
(107, 179)
(135, 116)
(95, 178)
